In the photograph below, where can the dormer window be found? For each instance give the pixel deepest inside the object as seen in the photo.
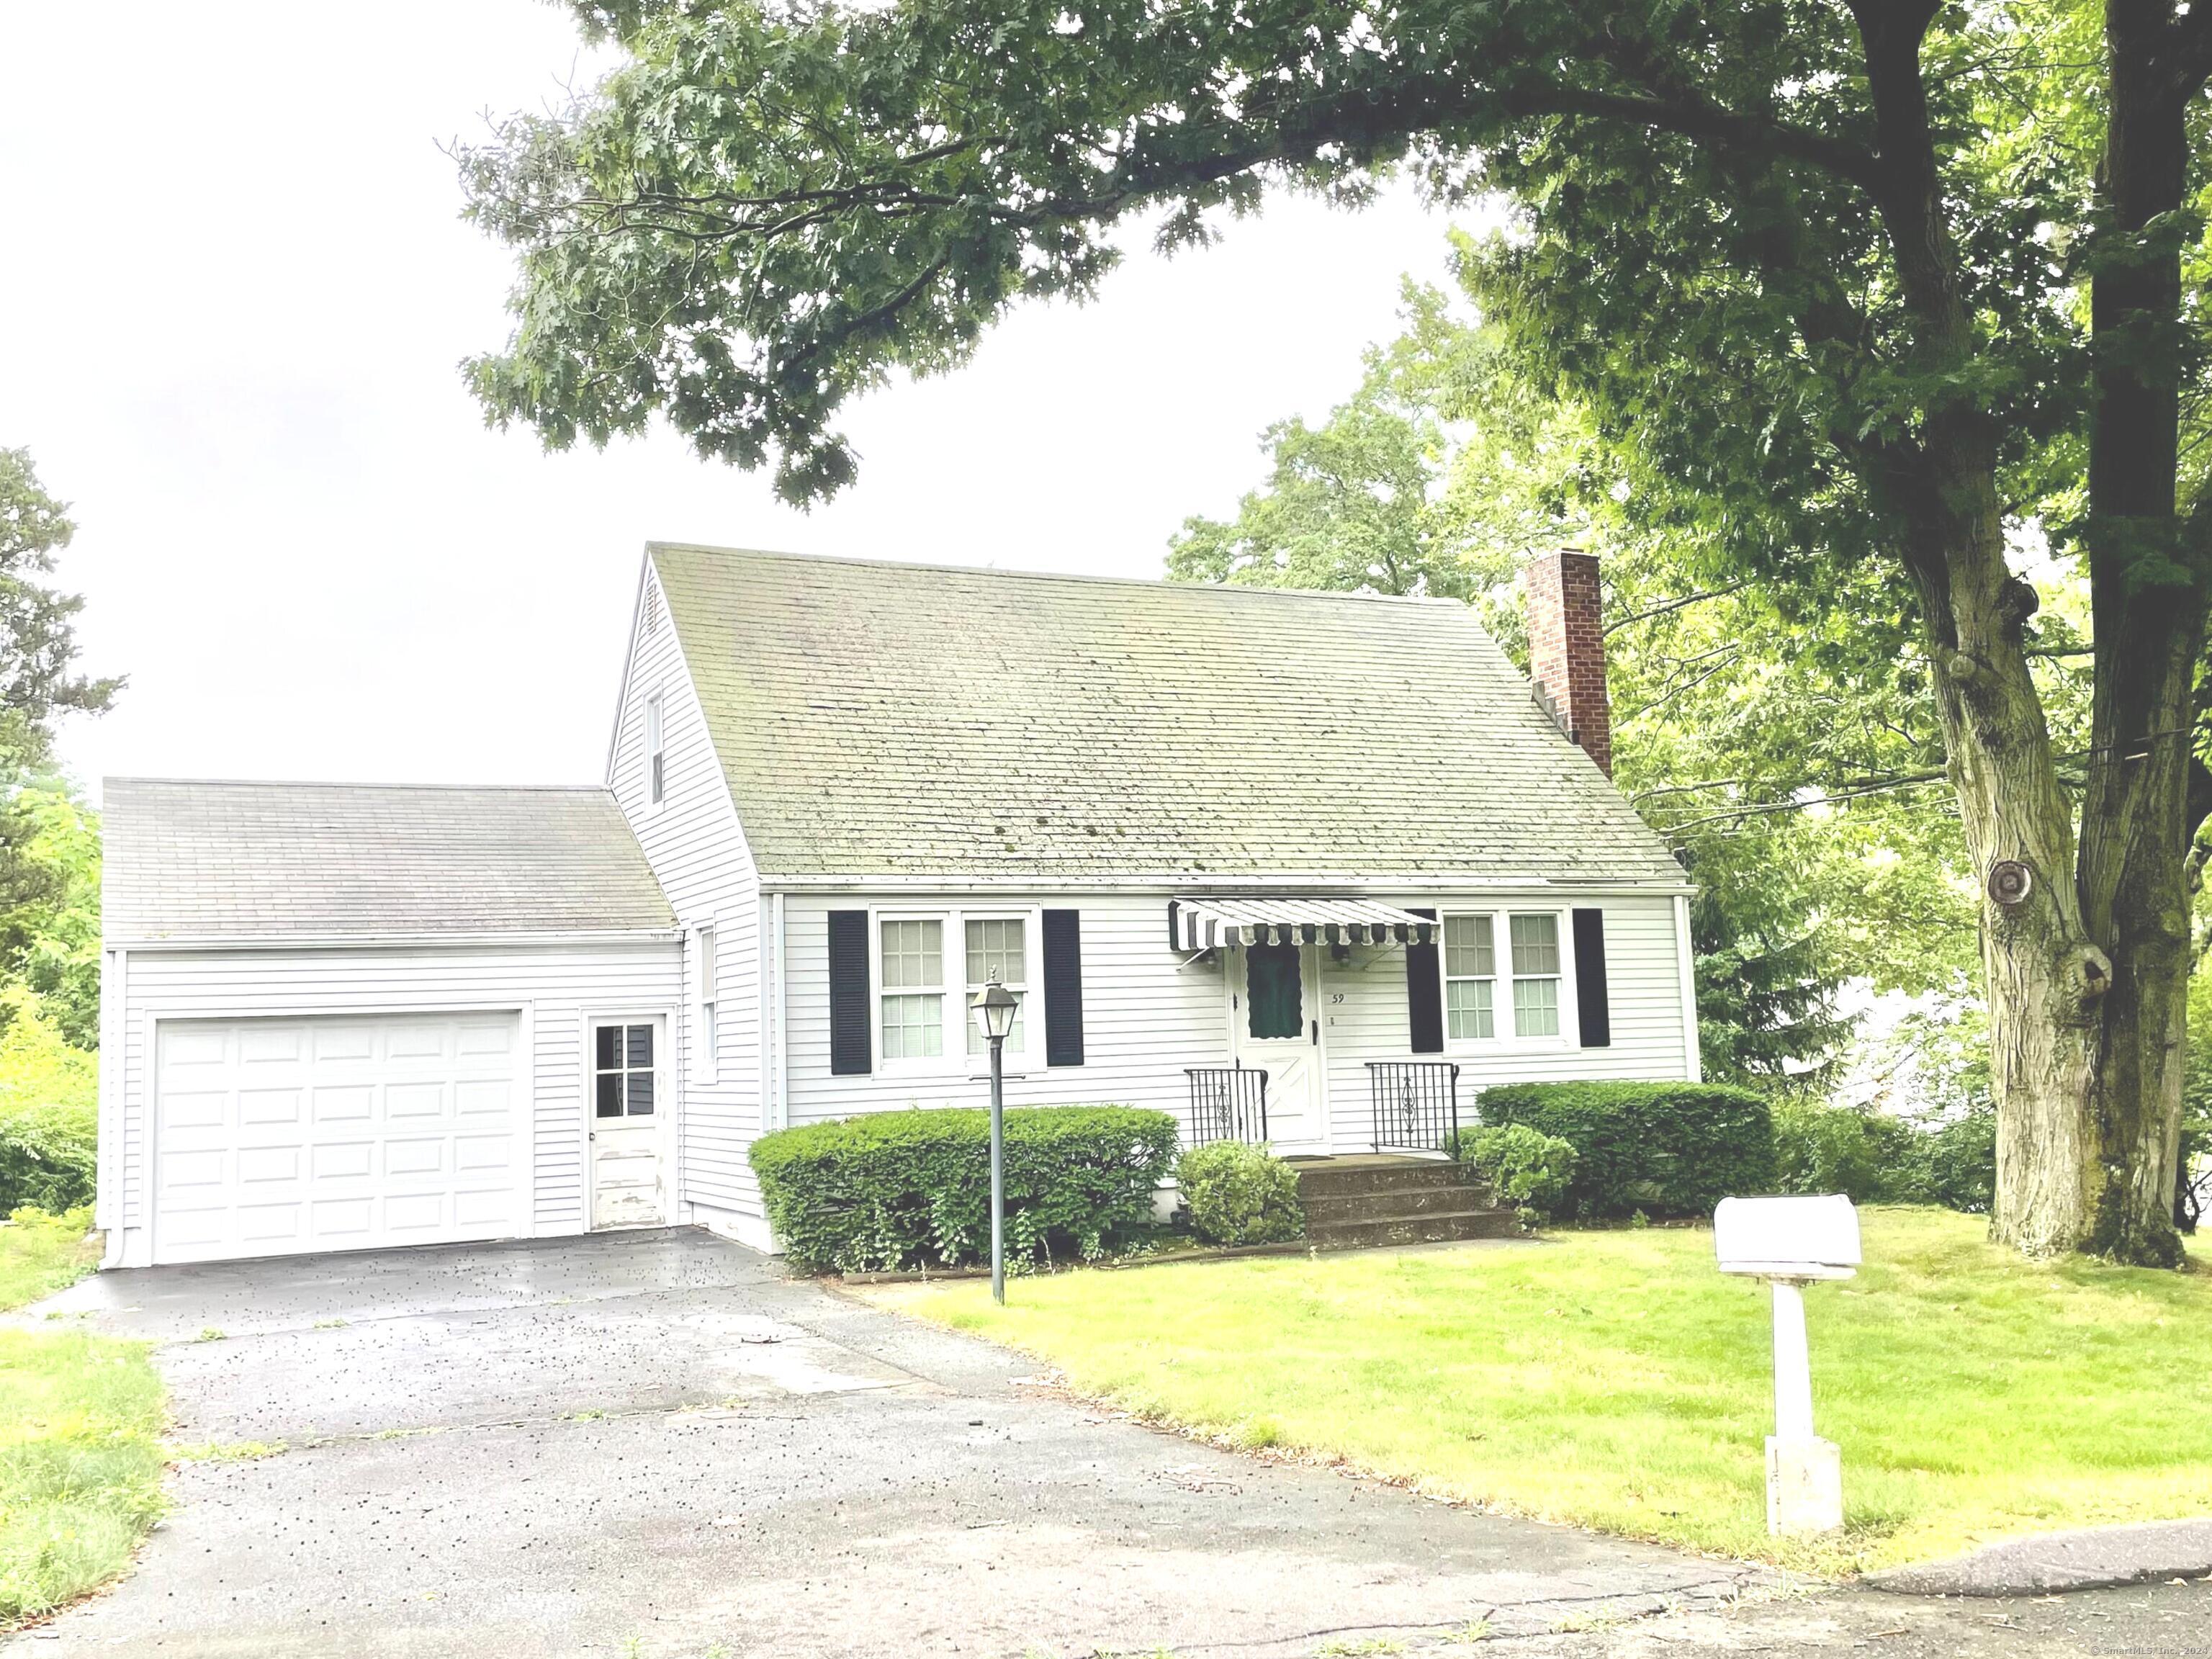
(656, 772)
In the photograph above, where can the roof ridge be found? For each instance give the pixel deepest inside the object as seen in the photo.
(1160, 583)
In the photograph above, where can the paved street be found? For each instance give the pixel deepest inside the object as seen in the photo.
(2161, 1621)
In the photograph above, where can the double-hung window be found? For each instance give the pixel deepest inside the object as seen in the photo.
(999, 945)
(1470, 978)
(710, 1036)
(656, 765)
(924, 995)
(1535, 974)
(912, 979)
(1502, 974)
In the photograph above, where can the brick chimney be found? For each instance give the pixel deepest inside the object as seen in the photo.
(1566, 647)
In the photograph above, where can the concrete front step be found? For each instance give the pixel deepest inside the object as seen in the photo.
(1359, 1203)
(1325, 1208)
(1330, 1179)
(1449, 1227)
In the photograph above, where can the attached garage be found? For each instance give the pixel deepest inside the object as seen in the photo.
(274, 1136)
(339, 1018)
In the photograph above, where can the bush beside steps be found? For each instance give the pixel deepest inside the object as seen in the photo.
(893, 1191)
(1522, 1167)
(1234, 1193)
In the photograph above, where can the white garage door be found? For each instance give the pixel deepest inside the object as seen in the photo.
(275, 1136)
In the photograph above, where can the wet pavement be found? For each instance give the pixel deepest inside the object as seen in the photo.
(655, 1444)
(2150, 1621)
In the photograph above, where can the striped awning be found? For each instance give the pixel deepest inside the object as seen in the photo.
(1204, 923)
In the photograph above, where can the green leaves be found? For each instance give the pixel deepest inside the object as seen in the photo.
(891, 1190)
(38, 628)
(768, 208)
(1239, 1194)
(1780, 733)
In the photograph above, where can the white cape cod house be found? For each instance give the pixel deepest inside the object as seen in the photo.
(1310, 868)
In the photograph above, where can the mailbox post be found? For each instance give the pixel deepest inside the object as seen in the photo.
(1790, 1243)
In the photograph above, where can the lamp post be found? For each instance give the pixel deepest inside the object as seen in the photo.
(994, 1006)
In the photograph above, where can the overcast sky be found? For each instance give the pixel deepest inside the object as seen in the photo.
(233, 295)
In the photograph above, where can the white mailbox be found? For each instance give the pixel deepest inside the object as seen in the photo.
(1798, 1238)
(1789, 1242)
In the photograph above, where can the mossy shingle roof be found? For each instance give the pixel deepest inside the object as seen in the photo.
(194, 860)
(879, 719)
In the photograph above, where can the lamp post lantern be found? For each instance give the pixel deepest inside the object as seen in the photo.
(995, 1007)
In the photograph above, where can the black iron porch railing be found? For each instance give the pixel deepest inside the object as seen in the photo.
(1227, 1103)
(1415, 1104)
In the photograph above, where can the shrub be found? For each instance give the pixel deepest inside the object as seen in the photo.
(913, 1189)
(1240, 1194)
(1525, 1167)
(49, 1110)
(1959, 1162)
(1665, 1148)
(1874, 1158)
(1833, 1149)
(47, 1158)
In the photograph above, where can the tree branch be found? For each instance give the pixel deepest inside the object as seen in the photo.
(2188, 49)
(1825, 798)
(1677, 604)
(1697, 119)
(1682, 789)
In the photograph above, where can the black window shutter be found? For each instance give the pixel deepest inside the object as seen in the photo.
(1063, 988)
(850, 1049)
(1591, 1001)
(1424, 995)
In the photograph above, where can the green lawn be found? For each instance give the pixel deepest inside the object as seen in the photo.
(81, 1423)
(1614, 1379)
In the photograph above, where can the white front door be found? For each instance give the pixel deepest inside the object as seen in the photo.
(272, 1137)
(1275, 998)
(628, 1110)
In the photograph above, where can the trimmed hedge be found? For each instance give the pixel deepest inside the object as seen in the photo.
(894, 1190)
(1240, 1194)
(47, 1157)
(1670, 1149)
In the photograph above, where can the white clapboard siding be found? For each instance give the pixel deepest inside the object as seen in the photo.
(1148, 1014)
(1144, 1017)
(1643, 987)
(555, 985)
(698, 854)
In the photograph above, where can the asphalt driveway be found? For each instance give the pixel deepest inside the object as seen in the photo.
(653, 1443)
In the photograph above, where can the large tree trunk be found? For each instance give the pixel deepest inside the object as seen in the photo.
(2047, 980)
(2087, 972)
(2148, 620)
(2134, 898)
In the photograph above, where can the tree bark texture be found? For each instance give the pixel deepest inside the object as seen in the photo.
(2086, 975)
(2148, 618)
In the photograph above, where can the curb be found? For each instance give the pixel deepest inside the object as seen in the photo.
(2098, 1558)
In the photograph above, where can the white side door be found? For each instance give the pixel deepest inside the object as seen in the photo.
(1274, 1009)
(628, 1113)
